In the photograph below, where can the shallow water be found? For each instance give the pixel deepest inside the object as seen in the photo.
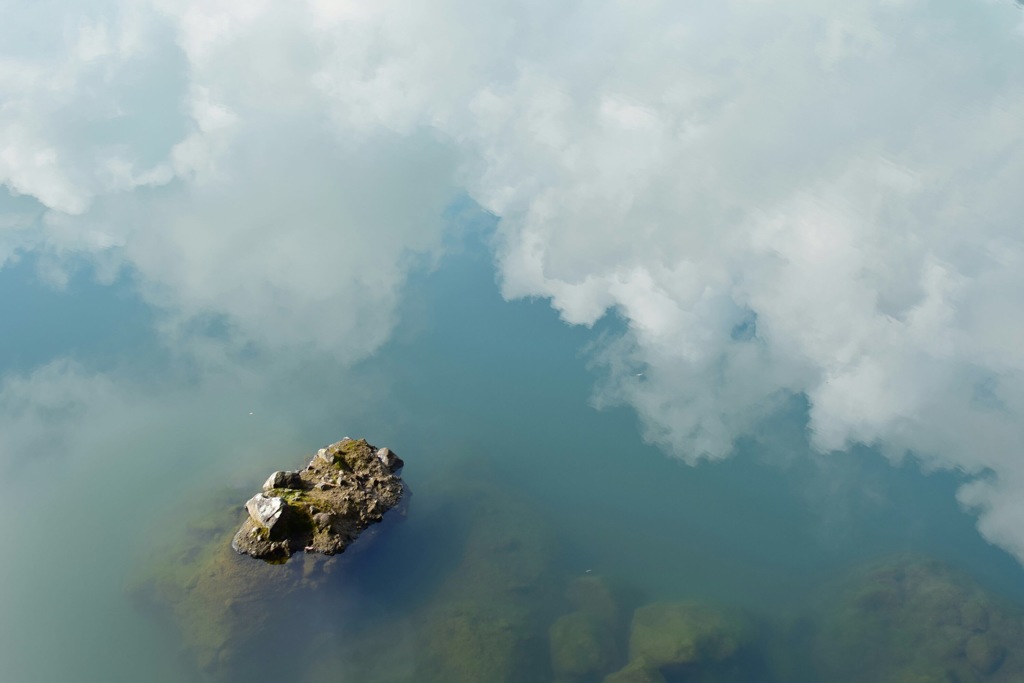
(471, 389)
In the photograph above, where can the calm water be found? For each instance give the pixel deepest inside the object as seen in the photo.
(470, 389)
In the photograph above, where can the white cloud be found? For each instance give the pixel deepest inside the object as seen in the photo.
(191, 144)
(778, 198)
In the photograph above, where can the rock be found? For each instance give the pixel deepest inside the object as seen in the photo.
(638, 671)
(985, 653)
(932, 676)
(580, 645)
(265, 510)
(488, 618)
(283, 480)
(389, 459)
(974, 615)
(225, 606)
(673, 633)
(323, 508)
(590, 594)
(219, 603)
(914, 619)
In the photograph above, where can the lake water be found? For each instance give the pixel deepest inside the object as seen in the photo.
(488, 403)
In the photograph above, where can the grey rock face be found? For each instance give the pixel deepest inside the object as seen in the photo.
(389, 459)
(265, 510)
(282, 480)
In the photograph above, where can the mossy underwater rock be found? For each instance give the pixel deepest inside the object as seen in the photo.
(488, 617)
(217, 601)
(913, 620)
(347, 487)
(591, 595)
(585, 643)
(637, 671)
(670, 634)
(223, 604)
(580, 646)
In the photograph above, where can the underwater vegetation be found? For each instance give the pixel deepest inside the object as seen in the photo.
(659, 642)
(484, 615)
(492, 601)
(915, 620)
(217, 602)
(906, 619)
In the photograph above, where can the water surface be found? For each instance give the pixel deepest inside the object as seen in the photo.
(472, 391)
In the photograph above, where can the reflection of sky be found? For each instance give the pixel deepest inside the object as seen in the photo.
(465, 376)
(217, 209)
(101, 322)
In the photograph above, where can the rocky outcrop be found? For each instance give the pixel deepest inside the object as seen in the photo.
(224, 606)
(346, 487)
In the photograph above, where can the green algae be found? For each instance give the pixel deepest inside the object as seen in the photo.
(219, 604)
(673, 633)
(487, 619)
(180, 571)
(593, 596)
(348, 486)
(481, 608)
(587, 642)
(581, 645)
(500, 609)
(911, 619)
(638, 671)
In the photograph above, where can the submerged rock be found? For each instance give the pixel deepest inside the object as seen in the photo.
(480, 601)
(591, 595)
(580, 646)
(218, 602)
(916, 620)
(324, 507)
(226, 607)
(488, 618)
(586, 643)
(666, 634)
(638, 671)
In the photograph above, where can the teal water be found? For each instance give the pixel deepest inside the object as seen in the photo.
(470, 388)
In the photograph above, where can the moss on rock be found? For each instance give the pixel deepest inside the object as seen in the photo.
(591, 595)
(223, 603)
(912, 619)
(324, 507)
(218, 602)
(637, 671)
(675, 633)
(487, 620)
(581, 645)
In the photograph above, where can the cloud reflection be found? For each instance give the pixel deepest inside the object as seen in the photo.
(778, 199)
